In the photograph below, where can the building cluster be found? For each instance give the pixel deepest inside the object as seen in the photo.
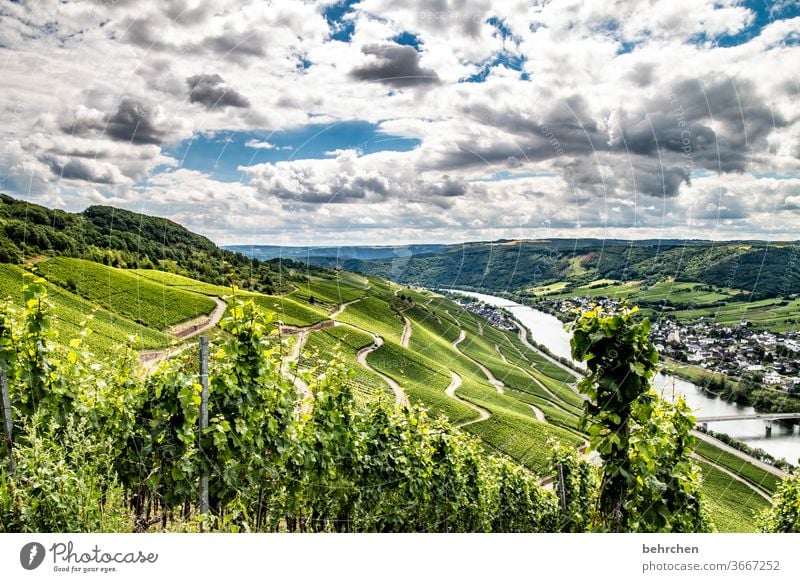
(494, 315)
(770, 358)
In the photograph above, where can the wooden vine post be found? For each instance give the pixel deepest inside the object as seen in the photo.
(5, 410)
(203, 420)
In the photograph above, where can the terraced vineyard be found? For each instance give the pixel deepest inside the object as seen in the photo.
(455, 364)
(72, 313)
(733, 505)
(289, 310)
(124, 292)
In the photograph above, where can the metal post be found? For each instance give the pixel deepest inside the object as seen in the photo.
(562, 492)
(5, 408)
(203, 418)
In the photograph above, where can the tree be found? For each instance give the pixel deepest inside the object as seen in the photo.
(784, 515)
(648, 479)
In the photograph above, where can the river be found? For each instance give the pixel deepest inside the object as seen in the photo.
(549, 331)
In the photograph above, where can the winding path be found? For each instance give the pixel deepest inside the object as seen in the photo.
(734, 476)
(736, 452)
(400, 396)
(189, 329)
(523, 336)
(185, 330)
(286, 369)
(450, 391)
(338, 311)
(406, 332)
(538, 414)
(498, 385)
(564, 405)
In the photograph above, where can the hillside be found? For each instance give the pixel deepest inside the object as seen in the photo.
(121, 238)
(406, 343)
(762, 269)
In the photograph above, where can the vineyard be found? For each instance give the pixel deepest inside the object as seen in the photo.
(71, 312)
(340, 466)
(530, 406)
(126, 293)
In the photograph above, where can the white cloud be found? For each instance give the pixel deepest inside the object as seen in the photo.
(265, 145)
(589, 131)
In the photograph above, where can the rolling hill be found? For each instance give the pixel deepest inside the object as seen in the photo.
(408, 343)
(761, 269)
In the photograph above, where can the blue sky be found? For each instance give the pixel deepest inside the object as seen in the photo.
(375, 121)
(220, 154)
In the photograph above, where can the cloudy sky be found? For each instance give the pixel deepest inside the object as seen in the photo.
(386, 121)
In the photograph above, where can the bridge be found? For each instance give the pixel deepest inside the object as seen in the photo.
(767, 417)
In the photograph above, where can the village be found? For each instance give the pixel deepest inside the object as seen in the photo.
(496, 317)
(766, 357)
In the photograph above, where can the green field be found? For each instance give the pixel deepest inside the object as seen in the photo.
(376, 315)
(288, 310)
(521, 439)
(343, 343)
(733, 505)
(125, 292)
(772, 314)
(422, 379)
(688, 301)
(185, 283)
(71, 312)
(330, 291)
(758, 477)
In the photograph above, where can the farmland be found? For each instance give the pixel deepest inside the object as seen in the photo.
(733, 505)
(126, 293)
(498, 373)
(73, 313)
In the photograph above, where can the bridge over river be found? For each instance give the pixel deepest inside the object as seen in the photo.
(767, 417)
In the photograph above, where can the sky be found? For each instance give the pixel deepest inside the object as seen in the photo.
(392, 122)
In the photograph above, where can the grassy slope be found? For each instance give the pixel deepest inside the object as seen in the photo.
(125, 292)
(331, 291)
(733, 505)
(759, 477)
(343, 342)
(71, 311)
(375, 314)
(181, 282)
(424, 368)
(288, 310)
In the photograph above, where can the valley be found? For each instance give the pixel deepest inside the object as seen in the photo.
(470, 365)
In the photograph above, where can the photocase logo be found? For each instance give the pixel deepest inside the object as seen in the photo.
(31, 555)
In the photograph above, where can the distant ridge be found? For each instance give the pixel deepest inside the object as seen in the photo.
(762, 269)
(121, 238)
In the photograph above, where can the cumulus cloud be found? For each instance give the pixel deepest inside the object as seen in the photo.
(349, 177)
(265, 145)
(394, 65)
(211, 91)
(613, 115)
(137, 122)
(134, 121)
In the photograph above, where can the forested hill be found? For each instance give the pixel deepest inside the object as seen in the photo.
(121, 238)
(764, 269)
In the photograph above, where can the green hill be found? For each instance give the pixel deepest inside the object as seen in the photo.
(397, 341)
(120, 238)
(756, 267)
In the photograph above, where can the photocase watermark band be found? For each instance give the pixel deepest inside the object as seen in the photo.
(67, 556)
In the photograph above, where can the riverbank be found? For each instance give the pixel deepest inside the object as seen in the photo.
(548, 331)
(718, 385)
